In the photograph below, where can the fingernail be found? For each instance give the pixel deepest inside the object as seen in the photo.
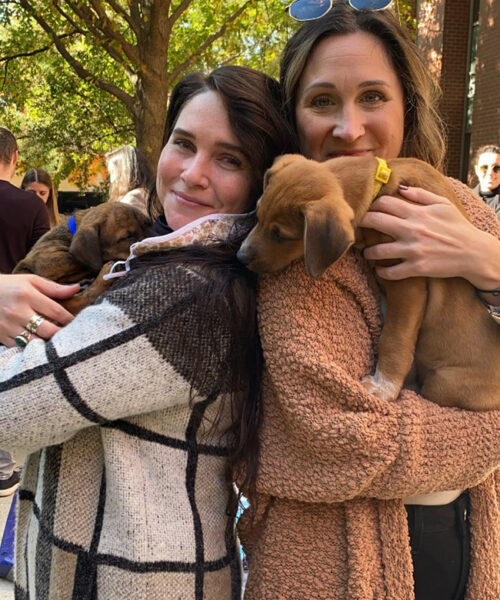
(402, 186)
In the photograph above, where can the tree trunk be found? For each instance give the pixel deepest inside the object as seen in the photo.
(151, 102)
(153, 82)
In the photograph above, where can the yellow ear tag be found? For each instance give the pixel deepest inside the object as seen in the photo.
(382, 176)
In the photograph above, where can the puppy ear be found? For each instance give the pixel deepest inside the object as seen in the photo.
(267, 178)
(85, 247)
(287, 159)
(328, 233)
(279, 163)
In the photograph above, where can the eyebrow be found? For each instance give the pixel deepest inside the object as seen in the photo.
(220, 144)
(329, 84)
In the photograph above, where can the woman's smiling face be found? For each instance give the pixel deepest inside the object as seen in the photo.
(350, 100)
(202, 169)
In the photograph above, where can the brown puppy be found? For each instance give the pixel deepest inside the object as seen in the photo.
(313, 209)
(104, 234)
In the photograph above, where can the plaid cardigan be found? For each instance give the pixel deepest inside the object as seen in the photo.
(124, 492)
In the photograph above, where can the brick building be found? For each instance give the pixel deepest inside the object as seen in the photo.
(461, 40)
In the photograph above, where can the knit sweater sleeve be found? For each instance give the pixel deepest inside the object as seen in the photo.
(131, 354)
(323, 438)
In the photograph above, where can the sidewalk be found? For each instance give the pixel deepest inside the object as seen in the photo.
(6, 587)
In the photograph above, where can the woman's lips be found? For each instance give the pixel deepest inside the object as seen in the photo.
(338, 153)
(188, 200)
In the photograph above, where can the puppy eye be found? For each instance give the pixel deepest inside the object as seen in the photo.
(130, 237)
(276, 235)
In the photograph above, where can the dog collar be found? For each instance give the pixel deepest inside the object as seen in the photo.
(382, 176)
(72, 225)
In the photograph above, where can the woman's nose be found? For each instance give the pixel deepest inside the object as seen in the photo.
(349, 125)
(195, 171)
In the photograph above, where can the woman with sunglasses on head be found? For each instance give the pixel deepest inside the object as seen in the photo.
(487, 167)
(133, 414)
(359, 498)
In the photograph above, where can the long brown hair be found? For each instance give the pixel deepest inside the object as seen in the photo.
(41, 176)
(253, 103)
(424, 131)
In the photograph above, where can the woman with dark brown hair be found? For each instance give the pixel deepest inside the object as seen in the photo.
(134, 414)
(362, 498)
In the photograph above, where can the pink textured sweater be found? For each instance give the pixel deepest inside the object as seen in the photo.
(335, 461)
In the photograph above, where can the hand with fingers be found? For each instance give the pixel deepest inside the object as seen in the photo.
(432, 238)
(28, 308)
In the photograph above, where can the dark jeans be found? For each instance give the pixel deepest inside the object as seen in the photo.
(440, 548)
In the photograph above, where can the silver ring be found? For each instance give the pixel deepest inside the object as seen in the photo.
(22, 339)
(34, 323)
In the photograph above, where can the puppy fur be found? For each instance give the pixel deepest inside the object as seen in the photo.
(313, 209)
(104, 234)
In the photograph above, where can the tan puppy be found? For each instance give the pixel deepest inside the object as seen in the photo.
(104, 234)
(312, 209)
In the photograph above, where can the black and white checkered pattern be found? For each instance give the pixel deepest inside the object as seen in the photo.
(124, 492)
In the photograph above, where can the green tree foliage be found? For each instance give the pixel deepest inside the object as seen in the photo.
(80, 77)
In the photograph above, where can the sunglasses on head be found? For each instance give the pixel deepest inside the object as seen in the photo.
(495, 168)
(309, 10)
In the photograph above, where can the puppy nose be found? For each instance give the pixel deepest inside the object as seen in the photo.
(243, 257)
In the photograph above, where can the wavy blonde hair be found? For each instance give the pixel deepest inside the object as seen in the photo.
(132, 171)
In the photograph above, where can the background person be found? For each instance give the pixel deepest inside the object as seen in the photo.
(133, 412)
(130, 177)
(23, 219)
(9, 476)
(360, 498)
(40, 182)
(487, 168)
(23, 216)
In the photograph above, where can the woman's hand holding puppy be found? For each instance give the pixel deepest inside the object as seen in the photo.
(22, 296)
(433, 239)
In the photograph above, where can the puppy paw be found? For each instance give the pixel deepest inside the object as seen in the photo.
(380, 387)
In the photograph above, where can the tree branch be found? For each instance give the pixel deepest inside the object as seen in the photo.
(102, 25)
(7, 59)
(178, 11)
(126, 17)
(38, 50)
(65, 15)
(209, 41)
(135, 15)
(105, 42)
(160, 25)
(79, 69)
